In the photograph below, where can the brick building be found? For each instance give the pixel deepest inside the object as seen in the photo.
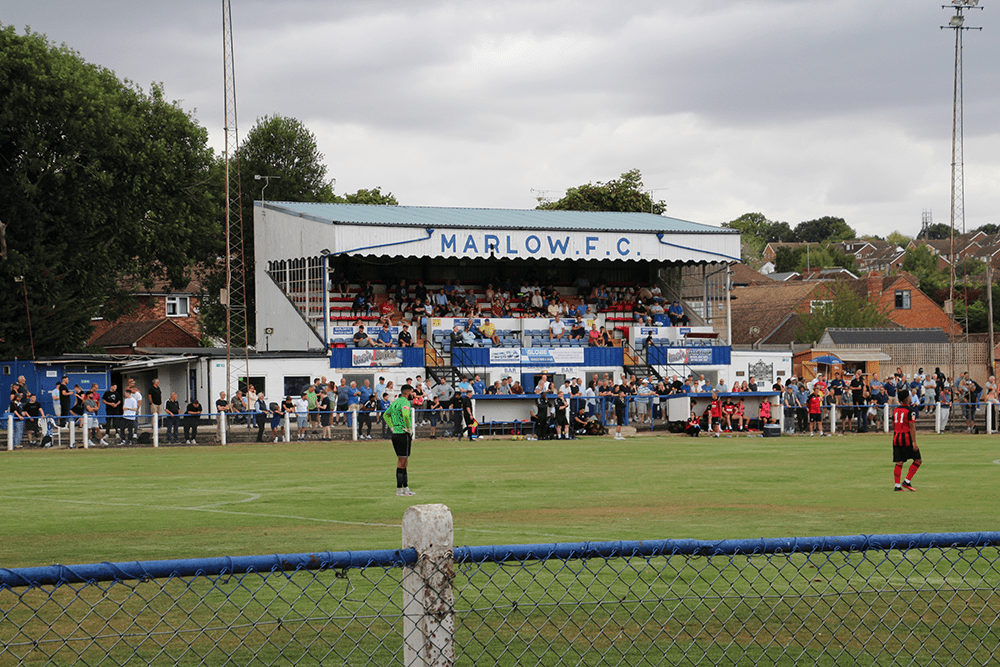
(157, 304)
(768, 314)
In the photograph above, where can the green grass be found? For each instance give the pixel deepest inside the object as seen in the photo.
(143, 504)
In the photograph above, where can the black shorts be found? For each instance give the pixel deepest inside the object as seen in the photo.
(900, 454)
(816, 416)
(341, 407)
(401, 443)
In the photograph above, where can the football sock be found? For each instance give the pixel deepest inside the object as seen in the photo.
(400, 477)
(912, 471)
(897, 472)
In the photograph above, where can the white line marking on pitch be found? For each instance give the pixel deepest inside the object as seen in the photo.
(250, 498)
(255, 496)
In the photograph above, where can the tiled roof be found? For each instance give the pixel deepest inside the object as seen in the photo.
(884, 336)
(759, 310)
(126, 334)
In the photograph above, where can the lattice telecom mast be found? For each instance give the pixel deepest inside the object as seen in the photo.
(957, 23)
(235, 295)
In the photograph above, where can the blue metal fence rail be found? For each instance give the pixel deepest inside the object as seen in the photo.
(929, 599)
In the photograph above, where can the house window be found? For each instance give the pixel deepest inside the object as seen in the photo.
(177, 306)
(903, 299)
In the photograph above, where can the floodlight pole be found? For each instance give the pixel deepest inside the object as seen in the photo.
(957, 23)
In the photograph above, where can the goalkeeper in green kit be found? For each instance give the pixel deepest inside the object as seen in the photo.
(400, 420)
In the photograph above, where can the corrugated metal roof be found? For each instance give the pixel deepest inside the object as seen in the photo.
(493, 218)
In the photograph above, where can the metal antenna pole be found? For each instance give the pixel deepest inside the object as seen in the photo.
(235, 298)
(957, 23)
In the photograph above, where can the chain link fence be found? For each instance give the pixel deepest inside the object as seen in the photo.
(860, 600)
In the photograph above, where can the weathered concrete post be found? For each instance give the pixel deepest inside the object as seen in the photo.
(428, 597)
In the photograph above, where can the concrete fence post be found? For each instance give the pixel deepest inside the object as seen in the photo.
(72, 433)
(223, 428)
(288, 427)
(428, 597)
(86, 431)
(10, 433)
(937, 417)
(833, 418)
(886, 419)
(156, 430)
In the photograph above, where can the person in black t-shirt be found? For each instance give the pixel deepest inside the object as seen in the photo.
(112, 400)
(33, 409)
(467, 416)
(192, 415)
(858, 398)
(173, 412)
(65, 399)
(541, 417)
(155, 397)
(405, 339)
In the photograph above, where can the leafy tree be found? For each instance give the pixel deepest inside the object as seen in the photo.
(825, 256)
(284, 148)
(756, 231)
(845, 308)
(970, 266)
(826, 228)
(988, 228)
(374, 196)
(622, 194)
(898, 239)
(787, 259)
(920, 260)
(103, 186)
(818, 255)
(936, 232)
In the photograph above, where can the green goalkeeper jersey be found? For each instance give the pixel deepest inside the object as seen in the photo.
(398, 415)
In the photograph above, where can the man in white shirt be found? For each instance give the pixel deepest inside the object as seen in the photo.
(131, 409)
(543, 385)
(301, 405)
(557, 329)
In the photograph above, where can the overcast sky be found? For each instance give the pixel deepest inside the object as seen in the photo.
(793, 108)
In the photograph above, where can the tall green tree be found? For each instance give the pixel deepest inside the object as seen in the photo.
(898, 238)
(936, 232)
(286, 150)
(756, 231)
(812, 256)
(103, 186)
(843, 307)
(624, 194)
(822, 229)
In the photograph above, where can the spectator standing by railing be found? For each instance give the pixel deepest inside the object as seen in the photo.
(944, 402)
(790, 404)
(131, 408)
(172, 411)
(222, 408)
(91, 405)
(32, 411)
(14, 409)
(65, 399)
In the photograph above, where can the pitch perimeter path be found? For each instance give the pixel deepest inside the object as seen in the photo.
(144, 504)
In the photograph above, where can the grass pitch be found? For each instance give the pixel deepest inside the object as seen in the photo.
(824, 609)
(144, 504)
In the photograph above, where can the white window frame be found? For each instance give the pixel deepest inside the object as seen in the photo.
(181, 306)
(906, 299)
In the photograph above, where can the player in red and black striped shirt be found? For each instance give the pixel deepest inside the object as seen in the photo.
(904, 442)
